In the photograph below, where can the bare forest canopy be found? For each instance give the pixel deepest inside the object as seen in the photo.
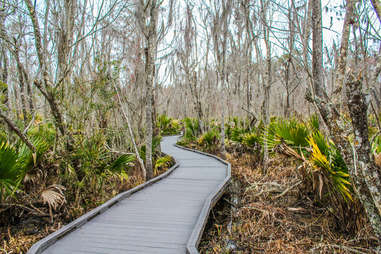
(86, 85)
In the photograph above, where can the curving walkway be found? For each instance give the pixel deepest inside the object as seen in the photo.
(159, 218)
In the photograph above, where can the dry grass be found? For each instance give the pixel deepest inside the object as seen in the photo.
(276, 213)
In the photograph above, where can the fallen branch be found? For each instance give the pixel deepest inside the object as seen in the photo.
(287, 190)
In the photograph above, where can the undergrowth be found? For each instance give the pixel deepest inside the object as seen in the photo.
(277, 213)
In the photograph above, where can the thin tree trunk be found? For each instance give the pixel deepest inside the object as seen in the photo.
(317, 52)
(364, 174)
(47, 91)
(20, 69)
(341, 63)
(131, 133)
(267, 84)
(16, 130)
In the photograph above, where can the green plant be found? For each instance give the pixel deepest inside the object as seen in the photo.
(10, 173)
(167, 125)
(25, 156)
(313, 123)
(325, 156)
(45, 131)
(155, 144)
(191, 129)
(251, 139)
(376, 144)
(209, 139)
(292, 132)
(121, 163)
(162, 163)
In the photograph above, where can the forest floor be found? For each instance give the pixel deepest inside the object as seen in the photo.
(24, 222)
(274, 213)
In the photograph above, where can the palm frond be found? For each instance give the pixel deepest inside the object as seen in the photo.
(122, 162)
(53, 196)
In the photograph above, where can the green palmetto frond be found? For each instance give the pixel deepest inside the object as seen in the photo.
(10, 173)
(191, 129)
(313, 123)
(122, 162)
(162, 162)
(327, 158)
(292, 132)
(209, 139)
(250, 139)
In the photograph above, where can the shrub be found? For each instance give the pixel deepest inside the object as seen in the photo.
(251, 139)
(292, 132)
(326, 157)
(191, 129)
(167, 125)
(16, 160)
(162, 163)
(209, 140)
(10, 173)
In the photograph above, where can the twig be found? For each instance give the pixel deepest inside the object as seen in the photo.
(115, 151)
(30, 124)
(231, 203)
(340, 247)
(375, 114)
(287, 190)
(33, 210)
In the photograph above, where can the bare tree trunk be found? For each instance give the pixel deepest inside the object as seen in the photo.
(267, 84)
(21, 71)
(149, 30)
(364, 173)
(16, 130)
(317, 52)
(363, 169)
(48, 90)
(341, 63)
(4, 76)
(131, 133)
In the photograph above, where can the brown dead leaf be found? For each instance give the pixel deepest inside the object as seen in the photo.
(377, 159)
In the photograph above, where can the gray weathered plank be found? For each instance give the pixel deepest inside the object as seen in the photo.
(163, 217)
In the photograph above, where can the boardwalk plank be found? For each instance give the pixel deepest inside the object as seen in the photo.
(157, 219)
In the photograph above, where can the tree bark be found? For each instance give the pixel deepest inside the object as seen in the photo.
(341, 63)
(150, 33)
(266, 85)
(317, 52)
(364, 172)
(46, 91)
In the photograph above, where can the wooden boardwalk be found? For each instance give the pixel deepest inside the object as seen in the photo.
(165, 217)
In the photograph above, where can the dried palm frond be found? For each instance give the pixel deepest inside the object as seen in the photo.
(53, 196)
(377, 159)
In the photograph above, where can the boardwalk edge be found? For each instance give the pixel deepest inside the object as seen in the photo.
(44, 243)
(211, 200)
